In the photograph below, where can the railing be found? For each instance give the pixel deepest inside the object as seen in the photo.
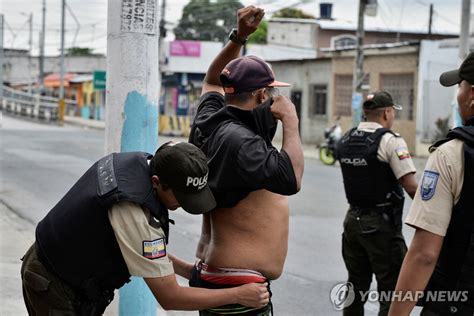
(32, 105)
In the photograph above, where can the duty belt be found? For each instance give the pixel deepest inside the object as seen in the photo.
(380, 208)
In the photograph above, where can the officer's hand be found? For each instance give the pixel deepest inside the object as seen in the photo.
(248, 20)
(283, 109)
(253, 295)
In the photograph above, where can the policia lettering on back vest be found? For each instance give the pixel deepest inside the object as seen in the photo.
(441, 255)
(375, 165)
(113, 223)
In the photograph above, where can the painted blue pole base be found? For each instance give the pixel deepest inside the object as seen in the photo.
(136, 299)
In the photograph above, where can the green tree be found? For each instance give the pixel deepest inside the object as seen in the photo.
(292, 13)
(80, 51)
(260, 35)
(207, 21)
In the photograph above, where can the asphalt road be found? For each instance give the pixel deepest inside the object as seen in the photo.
(38, 163)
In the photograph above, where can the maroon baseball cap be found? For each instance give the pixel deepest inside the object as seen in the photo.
(248, 73)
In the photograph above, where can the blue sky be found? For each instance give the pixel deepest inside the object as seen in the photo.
(92, 14)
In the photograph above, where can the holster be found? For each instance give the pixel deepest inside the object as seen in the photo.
(94, 300)
(397, 201)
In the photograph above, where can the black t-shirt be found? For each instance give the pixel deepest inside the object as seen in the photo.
(240, 158)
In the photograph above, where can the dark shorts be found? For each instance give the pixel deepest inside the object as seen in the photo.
(208, 277)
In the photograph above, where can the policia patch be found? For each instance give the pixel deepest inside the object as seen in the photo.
(428, 184)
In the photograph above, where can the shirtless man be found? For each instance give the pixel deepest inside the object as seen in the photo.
(245, 239)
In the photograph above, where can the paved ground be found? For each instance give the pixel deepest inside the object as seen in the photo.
(17, 234)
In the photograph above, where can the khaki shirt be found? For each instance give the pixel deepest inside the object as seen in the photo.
(440, 189)
(392, 150)
(143, 246)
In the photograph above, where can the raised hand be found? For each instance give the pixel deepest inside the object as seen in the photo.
(248, 20)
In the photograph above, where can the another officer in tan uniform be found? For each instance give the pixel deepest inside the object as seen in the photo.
(440, 257)
(376, 166)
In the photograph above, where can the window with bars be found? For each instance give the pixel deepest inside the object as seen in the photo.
(343, 94)
(400, 87)
(319, 100)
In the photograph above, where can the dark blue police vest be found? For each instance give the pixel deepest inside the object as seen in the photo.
(76, 239)
(367, 181)
(455, 267)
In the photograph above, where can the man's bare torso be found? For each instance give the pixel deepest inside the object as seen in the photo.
(251, 235)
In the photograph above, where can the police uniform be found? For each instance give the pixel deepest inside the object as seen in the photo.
(372, 160)
(109, 226)
(443, 205)
(131, 225)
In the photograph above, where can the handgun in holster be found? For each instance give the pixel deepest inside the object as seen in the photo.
(397, 199)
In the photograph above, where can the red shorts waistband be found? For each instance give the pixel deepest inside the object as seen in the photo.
(229, 275)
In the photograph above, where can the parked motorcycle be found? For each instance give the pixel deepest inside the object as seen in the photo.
(327, 150)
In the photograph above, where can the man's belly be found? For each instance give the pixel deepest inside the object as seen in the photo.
(252, 235)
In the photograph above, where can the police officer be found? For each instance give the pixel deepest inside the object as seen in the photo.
(441, 255)
(113, 223)
(375, 164)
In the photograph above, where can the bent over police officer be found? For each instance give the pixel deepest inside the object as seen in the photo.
(375, 164)
(112, 224)
(440, 259)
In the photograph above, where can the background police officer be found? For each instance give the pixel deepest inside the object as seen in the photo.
(113, 223)
(374, 162)
(443, 215)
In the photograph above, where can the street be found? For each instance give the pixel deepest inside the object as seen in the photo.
(38, 163)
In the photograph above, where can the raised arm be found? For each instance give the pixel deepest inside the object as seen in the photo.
(171, 296)
(248, 19)
(284, 110)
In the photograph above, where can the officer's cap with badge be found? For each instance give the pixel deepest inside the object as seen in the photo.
(380, 99)
(465, 72)
(184, 168)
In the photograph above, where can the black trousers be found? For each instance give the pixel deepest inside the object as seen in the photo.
(371, 244)
(43, 292)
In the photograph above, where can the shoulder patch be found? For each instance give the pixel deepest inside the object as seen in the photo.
(402, 153)
(106, 175)
(154, 249)
(428, 184)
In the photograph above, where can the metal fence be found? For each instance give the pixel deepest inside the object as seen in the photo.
(34, 106)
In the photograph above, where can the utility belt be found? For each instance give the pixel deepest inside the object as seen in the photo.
(370, 210)
(91, 298)
(391, 210)
(389, 213)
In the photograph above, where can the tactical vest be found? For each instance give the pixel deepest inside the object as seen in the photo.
(454, 270)
(76, 239)
(368, 182)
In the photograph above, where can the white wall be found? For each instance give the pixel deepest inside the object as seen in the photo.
(433, 101)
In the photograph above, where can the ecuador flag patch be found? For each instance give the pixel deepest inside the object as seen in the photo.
(154, 249)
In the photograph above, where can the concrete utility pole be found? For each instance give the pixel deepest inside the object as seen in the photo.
(1, 56)
(430, 21)
(131, 118)
(61, 105)
(41, 49)
(30, 51)
(464, 34)
(463, 48)
(359, 67)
